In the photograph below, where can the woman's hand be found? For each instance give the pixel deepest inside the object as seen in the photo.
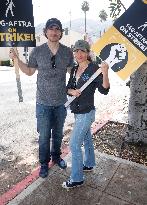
(73, 92)
(104, 67)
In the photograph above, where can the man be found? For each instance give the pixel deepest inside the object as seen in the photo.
(51, 60)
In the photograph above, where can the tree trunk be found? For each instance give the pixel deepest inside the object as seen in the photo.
(137, 112)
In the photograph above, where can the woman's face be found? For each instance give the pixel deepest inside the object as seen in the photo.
(80, 56)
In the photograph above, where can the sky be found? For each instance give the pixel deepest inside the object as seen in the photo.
(45, 9)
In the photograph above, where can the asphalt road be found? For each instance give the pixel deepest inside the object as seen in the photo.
(17, 126)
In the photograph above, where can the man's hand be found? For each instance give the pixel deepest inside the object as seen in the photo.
(12, 54)
(23, 67)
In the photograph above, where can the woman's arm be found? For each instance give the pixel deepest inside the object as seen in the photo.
(104, 67)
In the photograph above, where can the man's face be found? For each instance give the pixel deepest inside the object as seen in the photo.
(53, 34)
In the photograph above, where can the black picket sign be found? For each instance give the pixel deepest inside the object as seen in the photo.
(17, 23)
(133, 25)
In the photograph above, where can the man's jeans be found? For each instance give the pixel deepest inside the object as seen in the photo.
(50, 122)
(82, 134)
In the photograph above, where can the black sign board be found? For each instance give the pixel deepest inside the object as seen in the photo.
(17, 23)
(133, 25)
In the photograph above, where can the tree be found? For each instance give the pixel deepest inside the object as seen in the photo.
(115, 8)
(137, 110)
(103, 15)
(85, 8)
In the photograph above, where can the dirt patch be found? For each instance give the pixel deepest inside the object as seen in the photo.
(12, 171)
(110, 140)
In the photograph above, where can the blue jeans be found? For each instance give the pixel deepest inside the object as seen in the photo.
(82, 134)
(50, 122)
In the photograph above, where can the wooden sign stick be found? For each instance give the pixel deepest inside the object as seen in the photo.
(84, 86)
(19, 90)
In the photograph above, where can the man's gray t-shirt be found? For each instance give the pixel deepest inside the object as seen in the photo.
(51, 82)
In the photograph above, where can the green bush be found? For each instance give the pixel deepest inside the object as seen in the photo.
(5, 63)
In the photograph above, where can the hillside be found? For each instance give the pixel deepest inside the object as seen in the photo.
(93, 27)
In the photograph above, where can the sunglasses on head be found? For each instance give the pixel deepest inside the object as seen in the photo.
(53, 62)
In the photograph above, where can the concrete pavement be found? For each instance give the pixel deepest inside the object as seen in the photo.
(114, 181)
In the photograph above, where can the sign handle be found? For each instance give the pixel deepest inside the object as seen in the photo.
(84, 86)
(18, 82)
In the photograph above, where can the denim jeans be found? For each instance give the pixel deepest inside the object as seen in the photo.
(50, 122)
(81, 134)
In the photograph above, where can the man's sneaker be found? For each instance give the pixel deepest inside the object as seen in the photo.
(43, 170)
(61, 163)
(87, 169)
(69, 184)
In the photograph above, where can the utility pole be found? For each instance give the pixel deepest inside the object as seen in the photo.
(85, 22)
(70, 20)
(70, 28)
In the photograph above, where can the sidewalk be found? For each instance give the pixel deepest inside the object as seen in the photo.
(114, 181)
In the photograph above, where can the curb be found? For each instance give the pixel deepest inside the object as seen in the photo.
(97, 126)
(19, 187)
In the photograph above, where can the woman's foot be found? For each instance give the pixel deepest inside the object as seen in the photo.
(70, 184)
(87, 169)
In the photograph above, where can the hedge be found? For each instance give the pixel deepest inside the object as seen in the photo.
(5, 63)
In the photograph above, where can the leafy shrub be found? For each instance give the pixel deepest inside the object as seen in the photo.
(5, 63)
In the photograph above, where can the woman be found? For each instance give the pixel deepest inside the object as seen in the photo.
(84, 111)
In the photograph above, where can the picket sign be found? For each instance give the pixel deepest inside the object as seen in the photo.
(84, 86)
(124, 46)
(17, 30)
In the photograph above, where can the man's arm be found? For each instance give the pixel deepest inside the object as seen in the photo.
(71, 62)
(23, 67)
(69, 69)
